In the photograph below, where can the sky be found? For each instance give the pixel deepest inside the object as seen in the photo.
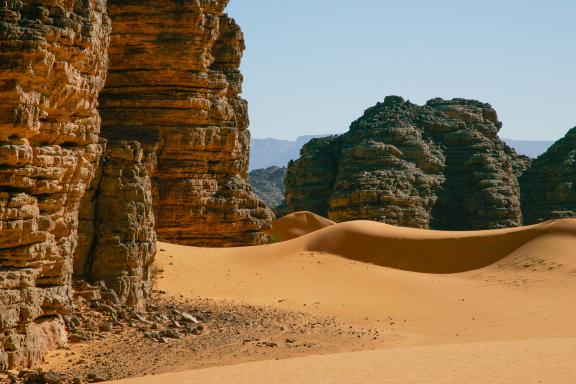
(314, 66)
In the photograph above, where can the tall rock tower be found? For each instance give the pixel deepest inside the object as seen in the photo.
(174, 85)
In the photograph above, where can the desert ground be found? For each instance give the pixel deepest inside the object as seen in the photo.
(361, 302)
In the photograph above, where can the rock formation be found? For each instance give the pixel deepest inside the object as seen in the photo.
(438, 166)
(549, 186)
(310, 180)
(173, 85)
(52, 66)
(117, 241)
(269, 184)
(74, 203)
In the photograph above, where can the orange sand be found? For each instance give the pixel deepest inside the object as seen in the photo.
(298, 224)
(489, 306)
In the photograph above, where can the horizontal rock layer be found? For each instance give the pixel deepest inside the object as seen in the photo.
(176, 134)
(52, 66)
(173, 85)
(435, 166)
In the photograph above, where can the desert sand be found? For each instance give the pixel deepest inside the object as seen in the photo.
(451, 307)
(298, 224)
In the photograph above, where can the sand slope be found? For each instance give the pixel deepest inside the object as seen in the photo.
(429, 251)
(482, 306)
(534, 361)
(298, 224)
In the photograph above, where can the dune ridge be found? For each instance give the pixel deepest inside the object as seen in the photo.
(298, 224)
(419, 250)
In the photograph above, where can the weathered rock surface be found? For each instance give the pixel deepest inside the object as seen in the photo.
(549, 186)
(173, 85)
(117, 241)
(310, 180)
(439, 166)
(176, 134)
(269, 184)
(52, 66)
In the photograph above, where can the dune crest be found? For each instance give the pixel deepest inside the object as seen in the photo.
(419, 250)
(298, 224)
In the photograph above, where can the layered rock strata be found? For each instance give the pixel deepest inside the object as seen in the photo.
(174, 86)
(439, 166)
(176, 133)
(52, 66)
(549, 186)
(117, 241)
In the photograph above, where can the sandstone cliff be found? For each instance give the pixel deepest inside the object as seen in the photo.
(439, 166)
(117, 241)
(549, 186)
(173, 85)
(52, 66)
(76, 204)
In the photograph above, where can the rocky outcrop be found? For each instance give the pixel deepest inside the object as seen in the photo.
(439, 166)
(269, 184)
(117, 241)
(310, 180)
(549, 186)
(174, 86)
(52, 66)
(175, 141)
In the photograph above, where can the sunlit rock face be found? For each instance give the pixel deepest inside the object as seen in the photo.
(52, 66)
(439, 166)
(79, 203)
(174, 86)
(549, 186)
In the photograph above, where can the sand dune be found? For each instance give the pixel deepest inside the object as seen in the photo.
(419, 250)
(430, 251)
(486, 306)
(298, 224)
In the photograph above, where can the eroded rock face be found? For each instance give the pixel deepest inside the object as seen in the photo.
(117, 241)
(173, 85)
(549, 186)
(52, 66)
(435, 166)
(310, 180)
(176, 133)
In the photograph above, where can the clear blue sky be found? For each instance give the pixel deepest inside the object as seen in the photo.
(314, 66)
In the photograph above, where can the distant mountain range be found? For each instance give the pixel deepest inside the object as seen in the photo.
(275, 152)
(266, 153)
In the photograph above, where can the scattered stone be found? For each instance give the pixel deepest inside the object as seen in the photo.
(189, 318)
(141, 318)
(171, 334)
(94, 378)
